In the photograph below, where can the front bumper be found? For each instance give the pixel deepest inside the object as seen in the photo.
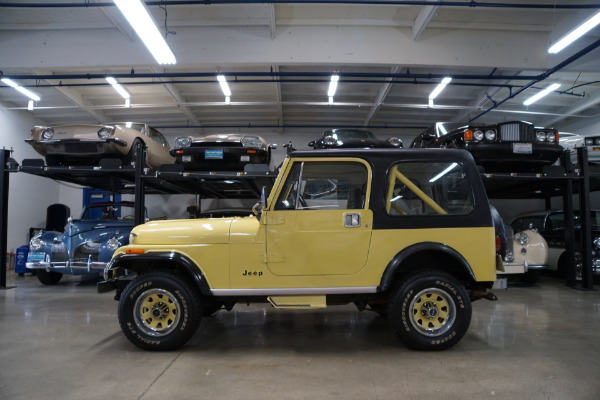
(68, 267)
(500, 157)
(215, 158)
(78, 147)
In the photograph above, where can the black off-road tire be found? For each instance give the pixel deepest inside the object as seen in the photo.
(48, 277)
(159, 311)
(429, 310)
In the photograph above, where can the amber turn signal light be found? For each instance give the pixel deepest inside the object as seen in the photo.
(134, 251)
(468, 135)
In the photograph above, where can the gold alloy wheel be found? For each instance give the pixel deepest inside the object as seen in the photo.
(432, 312)
(156, 312)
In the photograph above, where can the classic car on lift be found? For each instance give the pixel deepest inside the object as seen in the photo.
(551, 225)
(515, 146)
(221, 152)
(342, 138)
(87, 144)
(86, 245)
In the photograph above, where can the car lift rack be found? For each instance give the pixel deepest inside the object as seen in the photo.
(140, 180)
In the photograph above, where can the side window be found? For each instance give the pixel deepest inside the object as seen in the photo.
(156, 136)
(428, 189)
(324, 185)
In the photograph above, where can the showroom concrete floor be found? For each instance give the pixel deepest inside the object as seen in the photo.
(64, 342)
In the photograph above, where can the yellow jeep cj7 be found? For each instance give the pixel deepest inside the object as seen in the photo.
(407, 233)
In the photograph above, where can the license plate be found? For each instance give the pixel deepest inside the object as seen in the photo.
(213, 154)
(36, 257)
(522, 148)
(244, 158)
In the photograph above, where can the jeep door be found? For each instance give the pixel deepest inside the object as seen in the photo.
(320, 223)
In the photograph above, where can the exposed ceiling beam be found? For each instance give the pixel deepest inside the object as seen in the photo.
(176, 95)
(422, 20)
(383, 91)
(272, 21)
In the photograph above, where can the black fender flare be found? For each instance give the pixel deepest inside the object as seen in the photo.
(146, 261)
(396, 263)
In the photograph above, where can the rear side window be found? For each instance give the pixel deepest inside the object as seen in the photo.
(428, 189)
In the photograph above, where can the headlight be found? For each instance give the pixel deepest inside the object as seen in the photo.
(540, 136)
(47, 133)
(329, 140)
(589, 141)
(551, 137)
(183, 141)
(478, 134)
(36, 244)
(394, 141)
(105, 132)
(522, 238)
(597, 243)
(490, 135)
(112, 244)
(251, 141)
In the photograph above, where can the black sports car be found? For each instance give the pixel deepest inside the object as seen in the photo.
(338, 138)
(515, 146)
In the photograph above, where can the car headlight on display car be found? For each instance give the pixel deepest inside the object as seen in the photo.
(490, 135)
(183, 141)
(251, 141)
(394, 141)
(113, 244)
(330, 140)
(478, 134)
(47, 133)
(105, 132)
(522, 238)
(36, 244)
(596, 242)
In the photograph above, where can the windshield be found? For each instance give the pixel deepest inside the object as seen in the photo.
(104, 212)
(349, 134)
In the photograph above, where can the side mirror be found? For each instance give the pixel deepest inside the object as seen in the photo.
(273, 146)
(258, 207)
(311, 144)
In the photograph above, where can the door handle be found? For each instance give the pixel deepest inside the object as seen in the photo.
(352, 220)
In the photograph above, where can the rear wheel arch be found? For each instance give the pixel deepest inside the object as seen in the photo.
(427, 255)
(169, 261)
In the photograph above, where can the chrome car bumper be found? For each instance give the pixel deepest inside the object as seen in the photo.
(67, 266)
(78, 147)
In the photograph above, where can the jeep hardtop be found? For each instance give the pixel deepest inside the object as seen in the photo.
(407, 233)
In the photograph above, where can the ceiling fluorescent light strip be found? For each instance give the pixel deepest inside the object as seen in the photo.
(575, 34)
(21, 89)
(124, 93)
(438, 89)
(224, 85)
(541, 94)
(137, 15)
(333, 86)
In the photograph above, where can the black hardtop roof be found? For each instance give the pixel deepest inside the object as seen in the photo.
(373, 154)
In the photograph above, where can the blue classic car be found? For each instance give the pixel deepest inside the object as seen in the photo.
(86, 245)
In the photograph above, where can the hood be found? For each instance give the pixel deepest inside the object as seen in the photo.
(82, 226)
(183, 232)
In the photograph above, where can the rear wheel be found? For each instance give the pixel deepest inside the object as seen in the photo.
(48, 277)
(429, 310)
(159, 311)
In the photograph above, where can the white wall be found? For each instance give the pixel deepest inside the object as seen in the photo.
(29, 195)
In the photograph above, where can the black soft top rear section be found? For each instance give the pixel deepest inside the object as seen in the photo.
(382, 160)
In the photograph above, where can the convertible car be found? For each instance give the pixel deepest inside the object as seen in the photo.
(87, 144)
(515, 146)
(86, 245)
(221, 152)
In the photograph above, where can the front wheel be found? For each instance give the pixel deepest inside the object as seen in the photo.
(429, 310)
(159, 311)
